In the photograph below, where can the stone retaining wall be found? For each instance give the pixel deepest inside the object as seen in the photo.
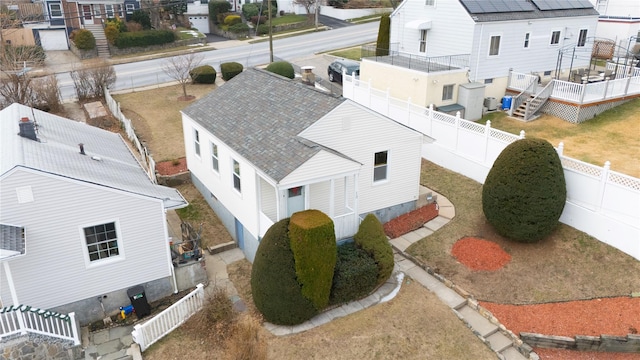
(626, 344)
(174, 180)
(40, 347)
(83, 54)
(126, 51)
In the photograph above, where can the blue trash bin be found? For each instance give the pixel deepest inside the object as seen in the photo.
(506, 102)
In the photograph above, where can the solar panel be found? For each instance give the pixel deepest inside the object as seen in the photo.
(562, 4)
(496, 6)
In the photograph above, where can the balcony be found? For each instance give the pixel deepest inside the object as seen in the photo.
(413, 61)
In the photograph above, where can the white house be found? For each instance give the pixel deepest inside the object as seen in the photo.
(437, 45)
(262, 147)
(80, 221)
(619, 21)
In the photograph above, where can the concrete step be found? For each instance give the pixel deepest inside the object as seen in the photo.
(512, 354)
(479, 323)
(446, 294)
(499, 342)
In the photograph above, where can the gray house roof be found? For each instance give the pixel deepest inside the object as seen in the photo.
(259, 115)
(108, 161)
(507, 10)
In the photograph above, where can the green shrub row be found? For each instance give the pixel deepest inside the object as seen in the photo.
(230, 69)
(355, 275)
(282, 68)
(218, 7)
(204, 74)
(144, 38)
(372, 239)
(239, 28)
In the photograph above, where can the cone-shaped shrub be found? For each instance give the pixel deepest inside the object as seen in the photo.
(525, 191)
(313, 242)
(372, 239)
(276, 291)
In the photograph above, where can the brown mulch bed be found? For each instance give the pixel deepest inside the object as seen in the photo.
(171, 167)
(480, 255)
(410, 221)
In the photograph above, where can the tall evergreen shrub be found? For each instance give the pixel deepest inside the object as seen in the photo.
(382, 44)
(372, 239)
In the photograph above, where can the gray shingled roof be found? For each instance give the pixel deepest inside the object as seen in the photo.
(525, 15)
(260, 114)
(58, 153)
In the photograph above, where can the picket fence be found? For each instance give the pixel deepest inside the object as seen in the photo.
(148, 333)
(24, 319)
(600, 202)
(145, 158)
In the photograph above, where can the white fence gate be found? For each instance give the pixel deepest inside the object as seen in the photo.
(160, 325)
(25, 319)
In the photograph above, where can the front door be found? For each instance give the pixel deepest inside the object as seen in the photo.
(295, 200)
(87, 14)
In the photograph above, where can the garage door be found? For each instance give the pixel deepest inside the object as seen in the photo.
(53, 39)
(200, 22)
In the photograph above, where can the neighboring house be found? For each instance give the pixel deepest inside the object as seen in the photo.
(198, 15)
(80, 221)
(95, 12)
(619, 21)
(47, 22)
(262, 147)
(438, 45)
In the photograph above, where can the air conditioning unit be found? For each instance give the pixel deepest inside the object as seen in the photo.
(491, 103)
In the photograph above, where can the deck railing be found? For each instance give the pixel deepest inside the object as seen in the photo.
(160, 325)
(25, 319)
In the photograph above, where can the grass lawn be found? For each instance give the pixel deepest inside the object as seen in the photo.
(288, 19)
(354, 53)
(612, 136)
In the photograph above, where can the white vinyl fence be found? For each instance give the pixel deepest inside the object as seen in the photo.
(145, 158)
(160, 325)
(600, 202)
(25, 319)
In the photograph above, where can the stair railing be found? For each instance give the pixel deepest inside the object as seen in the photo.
(538, 101)
(524, 94)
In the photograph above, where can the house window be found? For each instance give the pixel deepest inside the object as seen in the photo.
(494, 46)
(130, 8)
(196, 141)
(555, 38)
(55, 10)
(488, 81)
(96, 10)
(547, 73)
(423, 40)
(214, 157)
(430, 2)
(380, 166)
(447, 92)
(109, 11)
(582, 38)
(102, 241)
(236, 176)
(527, 37)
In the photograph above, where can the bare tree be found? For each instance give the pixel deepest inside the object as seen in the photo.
(46, 93)
(178, 68)
(15, 80)
(309, 6)
(91, 80)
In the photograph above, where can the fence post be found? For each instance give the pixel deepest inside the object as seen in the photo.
(604, 177)
(370, 93)
(388, 102)
(521, 134)
(606, 85)
(584, 90)
(487, 131)
(74, 328)
(457, 129)
(138, 337)
(431, 120)
(560, 148)
(626, 87)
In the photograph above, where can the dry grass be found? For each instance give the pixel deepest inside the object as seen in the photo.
(611, 136)
(155, 115)
(568, 265)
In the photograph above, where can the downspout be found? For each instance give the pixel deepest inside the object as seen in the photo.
(475, 73)
(171, 268)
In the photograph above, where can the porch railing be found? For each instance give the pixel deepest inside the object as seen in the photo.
(25, 319)
(538, 101)
(529, 90)
(345, 225)
(160, 325)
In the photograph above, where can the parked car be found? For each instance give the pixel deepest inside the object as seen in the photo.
(336, 68)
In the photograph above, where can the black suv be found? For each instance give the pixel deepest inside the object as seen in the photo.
(335, 69)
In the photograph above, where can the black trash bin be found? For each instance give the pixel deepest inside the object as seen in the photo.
(139, 301)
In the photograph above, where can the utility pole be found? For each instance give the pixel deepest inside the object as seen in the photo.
(270, 34)
(317, 15)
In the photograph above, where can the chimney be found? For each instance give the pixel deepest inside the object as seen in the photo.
(81, 149)
(28, 129)
(308, 77)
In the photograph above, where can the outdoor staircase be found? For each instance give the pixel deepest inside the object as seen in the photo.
(101, 40)
(535, 103)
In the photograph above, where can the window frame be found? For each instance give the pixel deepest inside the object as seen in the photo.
(447, 91)
(215, 159)
(429, 2)
(555, 38)
(196, 142)
(85, 245)
(51, 11)
(235, 175)
(109, 11)
(423, 41)
(384, 165)
(582, 37)
(129, 8)
(492, 46)
(527, 40)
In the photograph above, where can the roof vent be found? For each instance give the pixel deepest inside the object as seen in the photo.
(28, 129)
(81, 149)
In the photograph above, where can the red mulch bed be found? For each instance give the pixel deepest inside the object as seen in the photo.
(480, 255)
(410, 221)
(556, 354)
(171, 167)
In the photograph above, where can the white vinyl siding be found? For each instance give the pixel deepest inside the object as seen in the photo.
(55, 251)
(268, 200)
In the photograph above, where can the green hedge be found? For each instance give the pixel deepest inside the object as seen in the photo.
(218, 7)
(144, 38)
(262, 29)
(372, 239)
(525, 191)
(313, 242)
(230, 69)
(232, 20)
(250, 10)
(282, 68)
(355, 274)
(142, 18)
(239, 28)
(84, 39)
(274, 286)
(204, 74)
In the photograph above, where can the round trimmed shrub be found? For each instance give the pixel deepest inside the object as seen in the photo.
(355, 274)
(84, 39)
(230, 69)
(313, 243)
(372, 239)
(525, 191)
(204, 74)
(232, 20)
(282, 68)
(274, 285)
